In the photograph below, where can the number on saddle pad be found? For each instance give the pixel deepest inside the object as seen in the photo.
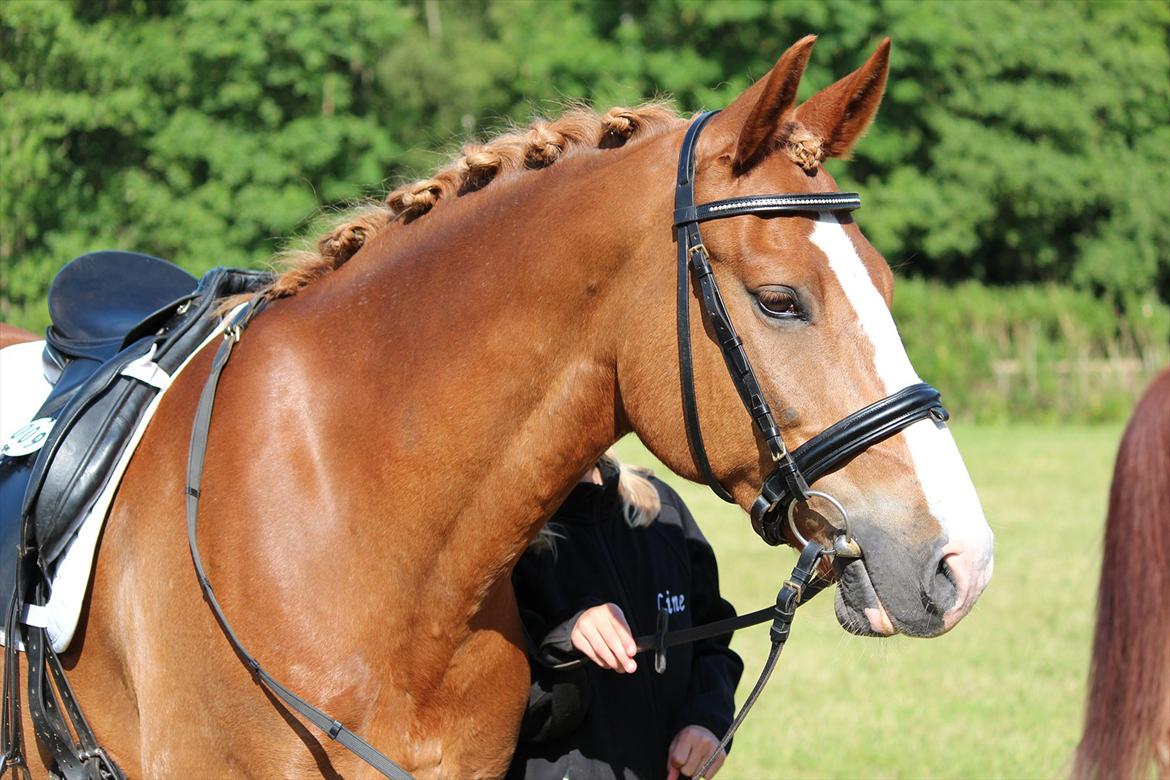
(28, 438)
(121, 321)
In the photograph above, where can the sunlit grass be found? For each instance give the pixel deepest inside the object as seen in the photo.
(999, 696)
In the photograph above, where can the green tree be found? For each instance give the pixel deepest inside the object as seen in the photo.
(1019, 141)
(200, 132)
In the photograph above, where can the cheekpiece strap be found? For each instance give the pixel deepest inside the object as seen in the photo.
(694, 263)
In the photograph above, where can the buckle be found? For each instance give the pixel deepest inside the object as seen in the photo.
(663, 621)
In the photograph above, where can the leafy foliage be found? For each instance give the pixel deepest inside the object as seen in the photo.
(1019, 142)
(200, 132)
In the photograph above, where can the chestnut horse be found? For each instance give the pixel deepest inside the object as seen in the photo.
(398, 424)
(1127, 721)
(10, 334)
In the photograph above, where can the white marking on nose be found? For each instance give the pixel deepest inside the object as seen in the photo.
(945, 483)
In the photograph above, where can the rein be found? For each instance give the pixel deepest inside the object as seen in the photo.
(798, 589)
(786, 486)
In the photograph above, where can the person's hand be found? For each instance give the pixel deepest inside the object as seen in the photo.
(689, 750)
(603, 635)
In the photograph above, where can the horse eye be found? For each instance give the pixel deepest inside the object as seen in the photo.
(779, 303)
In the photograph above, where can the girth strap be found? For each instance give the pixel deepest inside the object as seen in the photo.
(11, 725)
(52, 705)
(80, 760)
(331, 726)
(58, 724)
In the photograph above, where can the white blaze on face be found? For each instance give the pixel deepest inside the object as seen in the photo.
(945, 483)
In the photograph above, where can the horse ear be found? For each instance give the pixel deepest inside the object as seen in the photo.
(757, 113)
(839, 114)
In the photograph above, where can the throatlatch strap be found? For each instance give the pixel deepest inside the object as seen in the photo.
(684, 196)
(331, 726)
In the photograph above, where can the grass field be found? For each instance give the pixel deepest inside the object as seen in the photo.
(998, 697)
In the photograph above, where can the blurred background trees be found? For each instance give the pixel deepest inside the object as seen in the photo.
(1019, 167)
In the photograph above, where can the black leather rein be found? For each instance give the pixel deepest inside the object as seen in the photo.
(792, 471)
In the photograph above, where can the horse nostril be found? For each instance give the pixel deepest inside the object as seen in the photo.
(942, 589)
(944, 570)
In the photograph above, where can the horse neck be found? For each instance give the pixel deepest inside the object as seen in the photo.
(480, 345)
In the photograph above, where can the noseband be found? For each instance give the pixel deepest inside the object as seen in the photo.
(792, 471)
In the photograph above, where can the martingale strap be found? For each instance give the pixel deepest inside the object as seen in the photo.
(197, 453)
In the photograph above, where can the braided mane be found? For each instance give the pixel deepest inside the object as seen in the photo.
(538, 146)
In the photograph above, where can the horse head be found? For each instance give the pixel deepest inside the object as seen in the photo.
(810, 298)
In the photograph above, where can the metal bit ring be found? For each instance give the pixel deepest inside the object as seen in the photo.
(800, 540)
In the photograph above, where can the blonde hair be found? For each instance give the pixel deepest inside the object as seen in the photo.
(641, 503)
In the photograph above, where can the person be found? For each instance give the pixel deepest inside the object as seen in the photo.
(621, 549)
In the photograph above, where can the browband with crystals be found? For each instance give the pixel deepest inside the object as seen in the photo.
(792, 472)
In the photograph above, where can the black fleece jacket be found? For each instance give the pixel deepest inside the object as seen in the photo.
(592, 722)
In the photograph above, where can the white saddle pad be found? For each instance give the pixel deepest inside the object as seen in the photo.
(23, 388)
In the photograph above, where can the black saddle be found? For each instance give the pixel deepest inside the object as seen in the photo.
(109, 310)
(104, 301)
(123, 324)
(101, 297)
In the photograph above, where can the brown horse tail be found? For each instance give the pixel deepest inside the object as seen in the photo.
(1127, 721)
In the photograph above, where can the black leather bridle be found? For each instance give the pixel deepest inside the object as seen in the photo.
(786, 486)
(792, 471)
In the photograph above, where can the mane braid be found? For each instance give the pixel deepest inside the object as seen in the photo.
(540, 145)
